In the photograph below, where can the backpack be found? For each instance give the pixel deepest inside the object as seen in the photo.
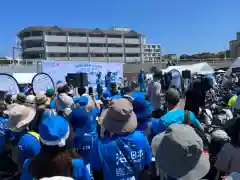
(11, 146)
(198, 129)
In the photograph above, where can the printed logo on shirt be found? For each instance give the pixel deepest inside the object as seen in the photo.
(123, 166)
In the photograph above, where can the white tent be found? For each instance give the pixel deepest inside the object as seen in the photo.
(200, 68)
(234, 65)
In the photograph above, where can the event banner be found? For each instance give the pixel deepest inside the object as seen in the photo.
(59, 69)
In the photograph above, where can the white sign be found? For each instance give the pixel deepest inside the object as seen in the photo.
(59, 69)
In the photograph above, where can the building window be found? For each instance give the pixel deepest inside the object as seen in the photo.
(33, 55)
(132, 45)
(98, 55)
(57, 55)
(31, 44)
(115, 55)
(97, 45)
(133, 55)
(77, 34)
(56, 44)
(78, 55)
(131, 37)
(37, 33)
(78, 44)
(26, 34)
(114, 45)
(56, 33)
(96, 35)
(114, 36)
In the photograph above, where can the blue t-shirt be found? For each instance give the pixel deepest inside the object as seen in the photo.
(174, 116)
(80, 171)
(3, 131)
(112, 156)
(141, 78)
(85, 135)
(52, 105)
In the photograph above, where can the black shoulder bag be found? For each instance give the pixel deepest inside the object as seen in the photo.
(198, 129)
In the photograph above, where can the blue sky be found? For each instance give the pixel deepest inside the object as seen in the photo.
(180, 26)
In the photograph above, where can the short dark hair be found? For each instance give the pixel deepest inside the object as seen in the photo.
(157, 74)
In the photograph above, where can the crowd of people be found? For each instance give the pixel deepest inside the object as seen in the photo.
(118, 136)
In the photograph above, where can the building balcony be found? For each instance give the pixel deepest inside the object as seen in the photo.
(55, 38)
(32, 38)
(56, 49)
(77, 39)
(101, 40)
(115, 50)
(78, 49)
(133, 59)
(34, 49)
(98, 49)
(132, 41)
(115, 40)
(133, 50)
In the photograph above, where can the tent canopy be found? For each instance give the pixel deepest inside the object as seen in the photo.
(200, 68)
(234, 65)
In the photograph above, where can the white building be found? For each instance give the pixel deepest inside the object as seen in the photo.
(152, 53)
(57, 43)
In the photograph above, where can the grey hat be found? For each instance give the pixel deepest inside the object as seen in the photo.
(63, 103)
(119, 117)
(179, 153)
(172, 96)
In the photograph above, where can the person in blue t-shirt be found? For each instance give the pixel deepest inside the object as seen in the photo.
(143, 113)
(125, 152)
(141, 81)
(55, 158)
(99, 83)
(174, 115)
(114, 93)
(84, 127)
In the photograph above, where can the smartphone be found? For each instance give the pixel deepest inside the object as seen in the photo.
(90, 91)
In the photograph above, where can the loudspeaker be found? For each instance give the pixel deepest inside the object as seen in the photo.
(186, 74)
(77, 79)
(84, 79)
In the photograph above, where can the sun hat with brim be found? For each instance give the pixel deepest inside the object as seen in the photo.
(119, 117)
(141, 109)
(57, 178)
(60, 84)
(54, 131)
(30, 99)
(19, 116)
(179, 152)
(172, 96)
(21, 97)
(41, 100)
(50, 92)
(63, 102)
